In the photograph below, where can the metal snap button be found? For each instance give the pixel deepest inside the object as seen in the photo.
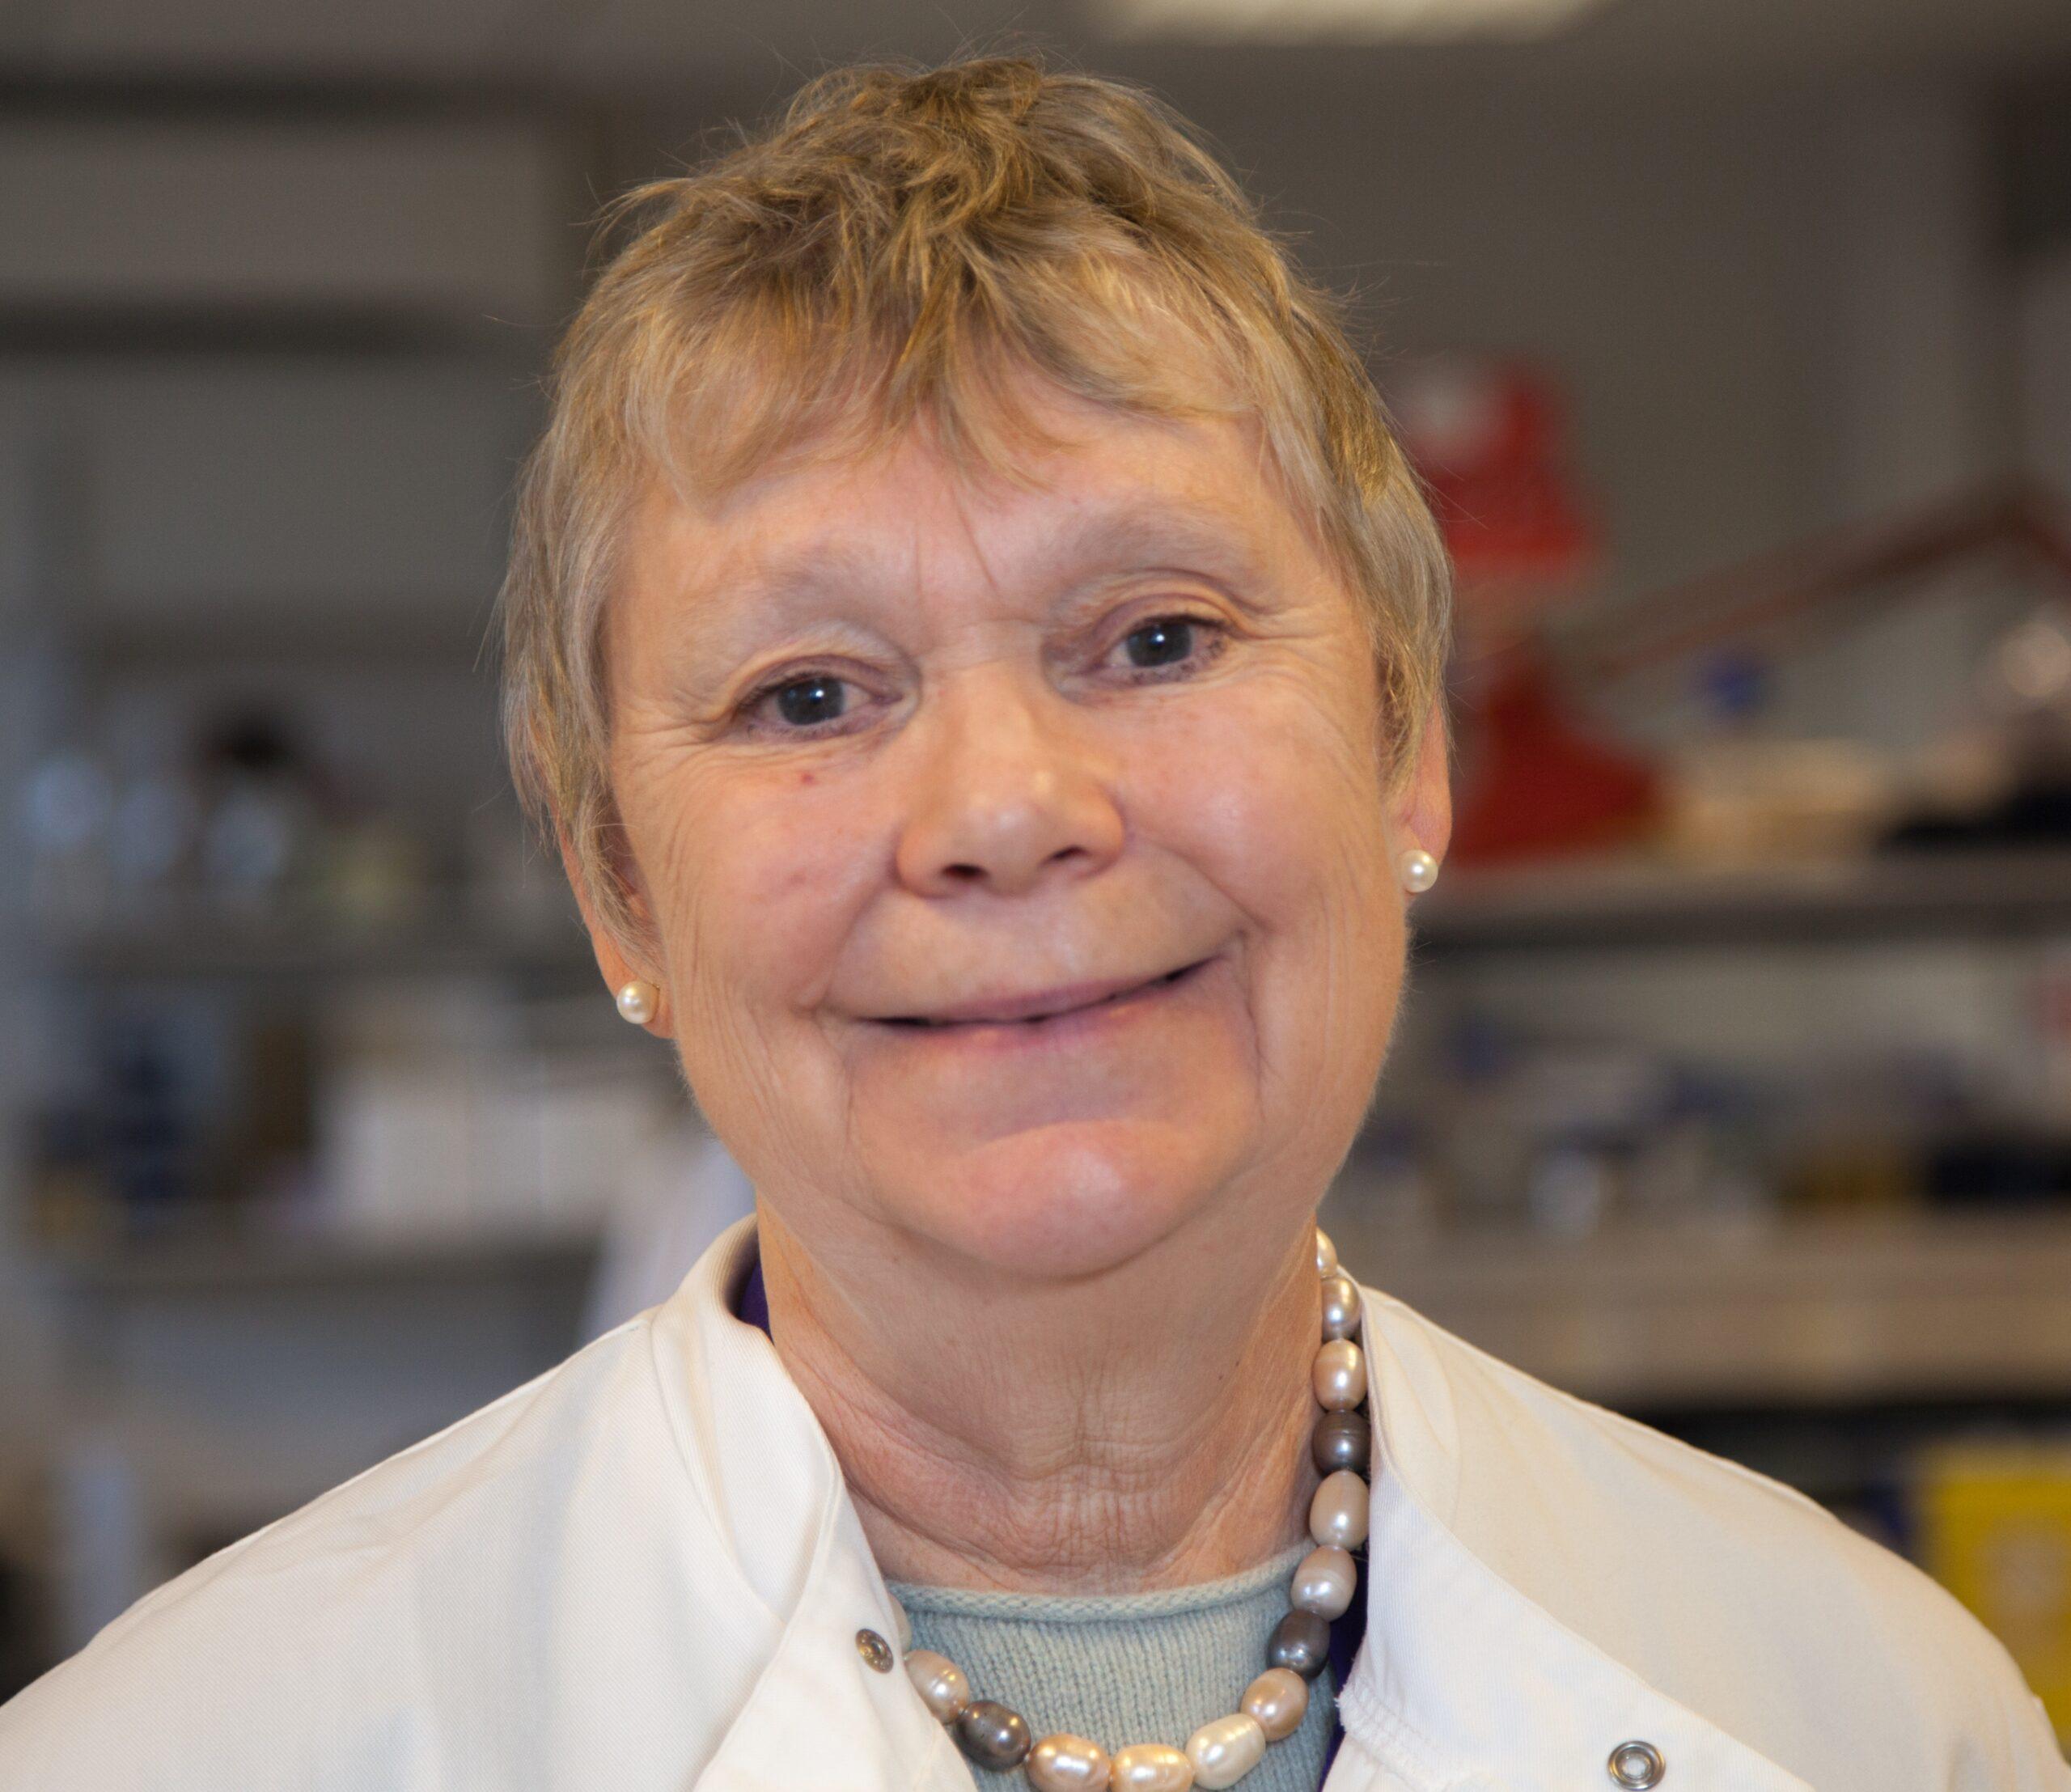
(1637, 1766)
(876, 1654)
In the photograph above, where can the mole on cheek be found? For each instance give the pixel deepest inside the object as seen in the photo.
(805, 778)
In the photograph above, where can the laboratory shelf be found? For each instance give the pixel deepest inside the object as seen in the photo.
(203, 942)
(215, 1267)
(1852, 1310)
(1615, 903)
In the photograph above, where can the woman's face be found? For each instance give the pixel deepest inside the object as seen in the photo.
(1016, 857)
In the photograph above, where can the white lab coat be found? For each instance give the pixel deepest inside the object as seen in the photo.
(641, 1574)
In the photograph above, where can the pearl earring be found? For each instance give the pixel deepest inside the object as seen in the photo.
(639, 1002)
(1419, 870)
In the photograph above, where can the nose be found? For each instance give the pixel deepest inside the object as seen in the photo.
(1008, 793)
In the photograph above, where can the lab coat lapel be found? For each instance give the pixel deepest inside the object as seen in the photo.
(1464, 1681)
(818, 1715)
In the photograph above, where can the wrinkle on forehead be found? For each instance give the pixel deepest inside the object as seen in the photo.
(1168, 518)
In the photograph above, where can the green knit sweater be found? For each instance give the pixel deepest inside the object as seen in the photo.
(1128, 1667)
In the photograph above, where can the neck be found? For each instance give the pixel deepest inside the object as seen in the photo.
(1142, 1428)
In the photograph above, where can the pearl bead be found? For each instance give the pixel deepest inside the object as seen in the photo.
(1279, 1699)
(993, 1735)
(1225, 1751)
(1325, 1582)
(1340, 1306)
(638, 1002)
(1419, 871)
(940, 1682)
(1340, 1376)
(1150, 1767)
(1301, 1641)
(1065, 1763)
(1342, 1440)
(1326, 1254)
(1338, 1514)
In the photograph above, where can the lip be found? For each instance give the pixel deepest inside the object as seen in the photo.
(1036, 1006)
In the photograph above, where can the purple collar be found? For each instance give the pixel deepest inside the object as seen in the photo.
(754, 1303)
(1345, 1632)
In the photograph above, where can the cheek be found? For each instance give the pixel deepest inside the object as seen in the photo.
(755, 881)
(1278, 801)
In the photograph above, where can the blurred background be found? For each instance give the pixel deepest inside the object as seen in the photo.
(1733, 1087)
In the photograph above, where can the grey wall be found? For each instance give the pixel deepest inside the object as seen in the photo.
(1767, 305)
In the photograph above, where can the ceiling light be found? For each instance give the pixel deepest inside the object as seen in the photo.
(1339, 21)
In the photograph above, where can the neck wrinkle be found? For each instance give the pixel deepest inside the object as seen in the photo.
(1127, 1468)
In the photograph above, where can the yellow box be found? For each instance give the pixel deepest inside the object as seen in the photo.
(1995, 1529)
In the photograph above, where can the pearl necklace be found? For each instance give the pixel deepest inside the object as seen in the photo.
(1221, 1753)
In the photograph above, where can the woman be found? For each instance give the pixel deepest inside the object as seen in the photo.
(981, 653)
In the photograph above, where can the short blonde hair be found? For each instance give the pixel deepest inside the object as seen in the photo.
(895, 249)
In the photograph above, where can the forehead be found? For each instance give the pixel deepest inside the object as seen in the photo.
(1087, 489)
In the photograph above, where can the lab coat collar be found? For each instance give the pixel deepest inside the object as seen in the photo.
(1463, 1683)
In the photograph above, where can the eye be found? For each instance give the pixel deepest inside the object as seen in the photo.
(804, 703)
(1164, 640)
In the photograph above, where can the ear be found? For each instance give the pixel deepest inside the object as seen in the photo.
(613, 961)
(1421, 814)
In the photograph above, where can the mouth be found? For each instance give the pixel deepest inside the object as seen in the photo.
(1040, 1007)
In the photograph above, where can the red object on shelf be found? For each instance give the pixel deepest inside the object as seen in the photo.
(1489, 440)
(1538, 784)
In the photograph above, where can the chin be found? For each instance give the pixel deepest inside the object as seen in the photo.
(1072, 1199)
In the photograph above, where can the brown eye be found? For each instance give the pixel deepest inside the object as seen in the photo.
(807, 702)
(1164, 641)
